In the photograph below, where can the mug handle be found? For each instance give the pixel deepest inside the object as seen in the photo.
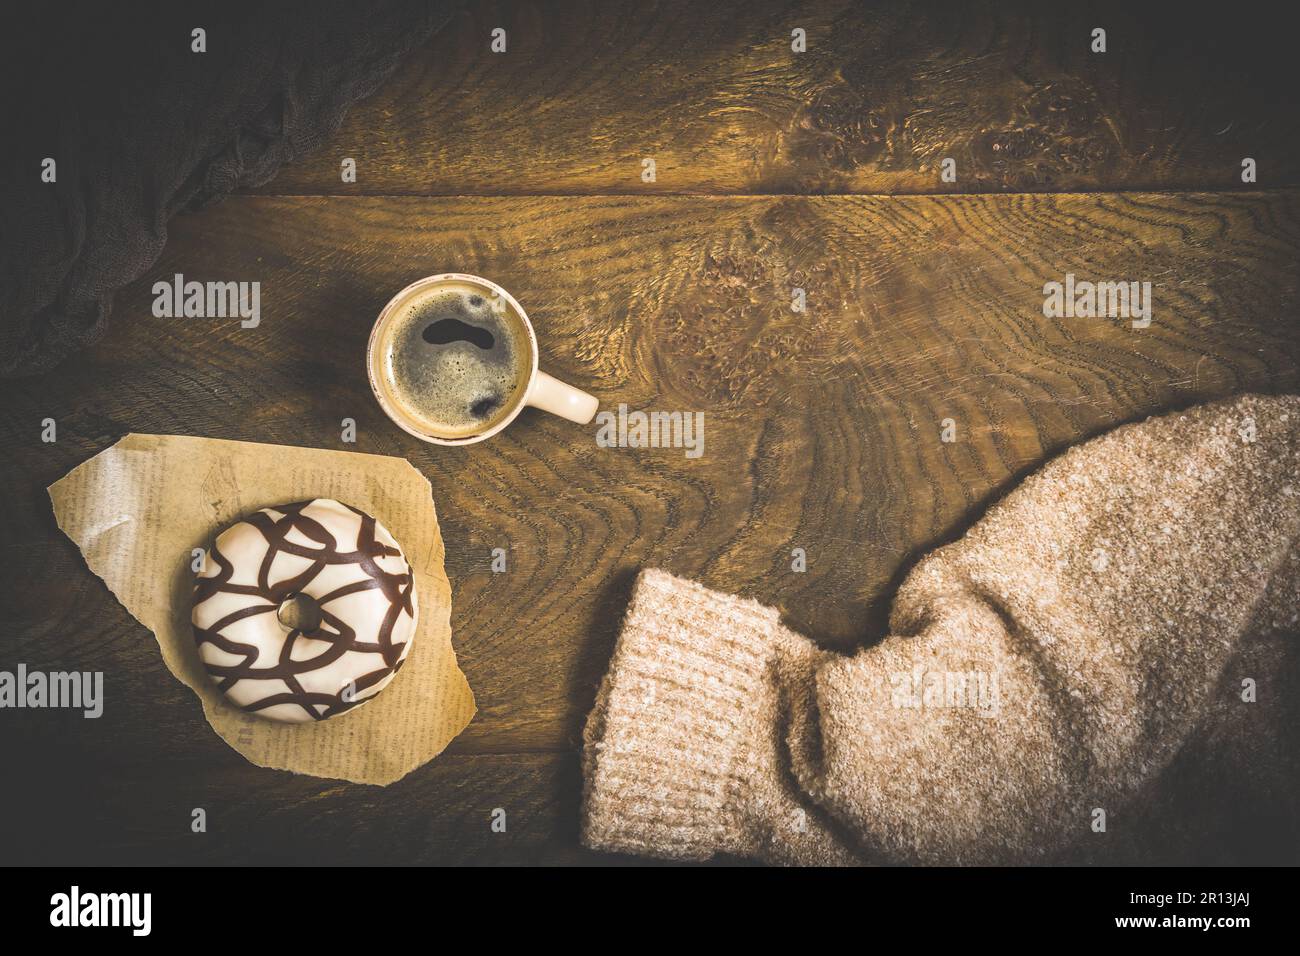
(551, 395)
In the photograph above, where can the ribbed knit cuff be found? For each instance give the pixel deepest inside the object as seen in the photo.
(680, 724)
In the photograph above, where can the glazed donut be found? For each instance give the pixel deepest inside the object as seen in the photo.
(346, 569)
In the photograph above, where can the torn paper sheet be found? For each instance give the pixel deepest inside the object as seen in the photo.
(137, 511)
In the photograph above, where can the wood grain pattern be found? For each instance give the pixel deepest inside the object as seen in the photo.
(822, 430)
(713, 93)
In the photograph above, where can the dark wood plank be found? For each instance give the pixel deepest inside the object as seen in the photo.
(822, 430)
(97, 813)
(713, 93)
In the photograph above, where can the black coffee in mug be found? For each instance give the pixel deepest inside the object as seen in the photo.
(458, 359)
(453, 359)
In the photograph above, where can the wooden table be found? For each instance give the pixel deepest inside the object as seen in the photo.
(774, 171)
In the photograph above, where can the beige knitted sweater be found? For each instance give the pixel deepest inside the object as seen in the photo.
(1103, 667)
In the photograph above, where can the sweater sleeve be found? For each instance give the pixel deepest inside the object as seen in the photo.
(1039, 672)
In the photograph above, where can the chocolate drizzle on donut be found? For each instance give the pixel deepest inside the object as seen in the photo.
(334, 631)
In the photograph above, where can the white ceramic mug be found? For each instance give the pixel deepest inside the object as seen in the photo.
(538, 390)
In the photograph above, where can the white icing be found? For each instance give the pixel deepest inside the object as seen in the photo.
(244, 547)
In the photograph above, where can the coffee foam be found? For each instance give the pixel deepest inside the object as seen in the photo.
(456, 388)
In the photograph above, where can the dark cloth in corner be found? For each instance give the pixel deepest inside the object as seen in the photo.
(141, 127)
